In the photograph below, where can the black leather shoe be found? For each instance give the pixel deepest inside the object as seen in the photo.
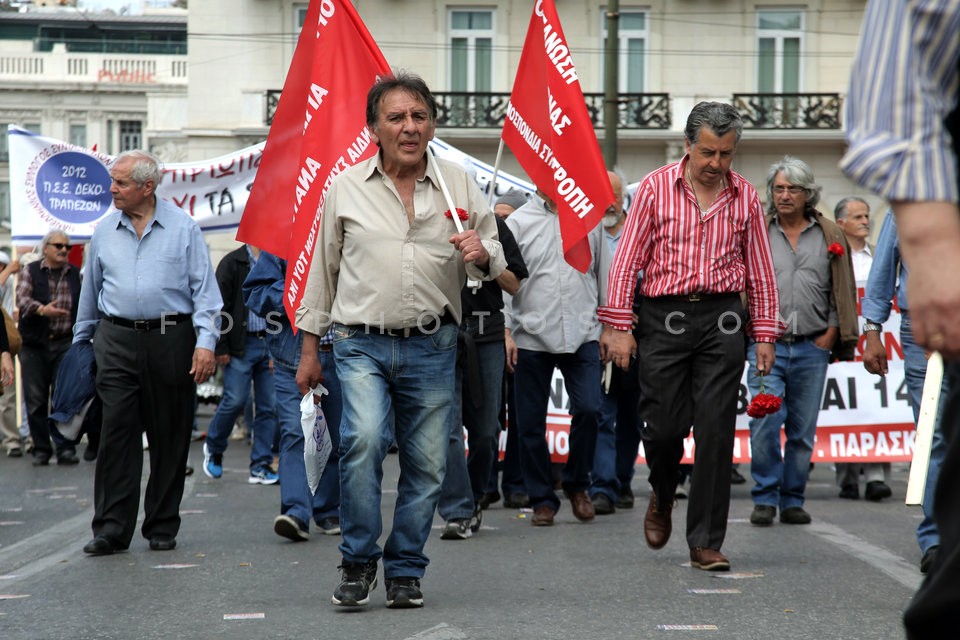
(163, 543)
(89, 454)
(67, 457)
(602, 505)
(488, 498)
(41, 459)
(850, 492)
(101, 546)
(928, 558)
(877, 491)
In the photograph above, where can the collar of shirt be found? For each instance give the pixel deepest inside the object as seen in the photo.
(680, 170)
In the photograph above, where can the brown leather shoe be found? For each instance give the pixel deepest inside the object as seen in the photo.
(582, 505)
(543, 516)
(657, 523)
(708, 560)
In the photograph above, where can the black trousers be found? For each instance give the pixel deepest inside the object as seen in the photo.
(38, 374)
(933, 611)
(144, 383)
(691, 357)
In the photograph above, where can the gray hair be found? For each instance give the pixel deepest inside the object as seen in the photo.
(146, 166)
(50, 235)
(840, 211)
(798, 173)
(719, 117)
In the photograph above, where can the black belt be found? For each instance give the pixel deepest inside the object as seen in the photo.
(149, 325)
(695, 297)
(257, 334)
(326, 347)
(793, 338)
(424, 328)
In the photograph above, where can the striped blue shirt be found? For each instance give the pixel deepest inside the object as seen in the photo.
(903, 84)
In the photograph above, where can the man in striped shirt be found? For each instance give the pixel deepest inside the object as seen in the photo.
(696, 229)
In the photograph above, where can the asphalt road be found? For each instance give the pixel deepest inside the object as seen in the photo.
(848, 575)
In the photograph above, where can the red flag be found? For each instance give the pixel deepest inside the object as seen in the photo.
(319, 130)
(549, 131)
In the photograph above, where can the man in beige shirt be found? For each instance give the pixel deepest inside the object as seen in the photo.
(387, 275)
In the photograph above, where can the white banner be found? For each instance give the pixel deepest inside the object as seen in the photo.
(54, 184)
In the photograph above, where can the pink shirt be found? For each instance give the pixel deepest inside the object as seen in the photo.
(680, 250)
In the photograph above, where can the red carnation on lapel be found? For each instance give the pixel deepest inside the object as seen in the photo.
(461, 213)
(836, 249)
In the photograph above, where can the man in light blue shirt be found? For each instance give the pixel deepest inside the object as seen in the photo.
(148, 274)
(888, 280)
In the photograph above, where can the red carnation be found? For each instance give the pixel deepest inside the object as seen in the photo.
(836, 248)
(765, 404)
(463, 215)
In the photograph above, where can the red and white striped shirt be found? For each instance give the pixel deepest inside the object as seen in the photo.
(727, 251)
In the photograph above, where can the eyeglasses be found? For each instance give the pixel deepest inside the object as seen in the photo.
(59, 246)
(792, 190)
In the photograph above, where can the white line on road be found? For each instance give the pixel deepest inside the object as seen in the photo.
(442, 631)
(891, 564)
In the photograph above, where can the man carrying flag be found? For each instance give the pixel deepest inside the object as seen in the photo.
(390, 262)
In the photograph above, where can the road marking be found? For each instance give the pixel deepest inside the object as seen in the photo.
(889, 563)
(442, 631)
(244, 616)
(687, 627)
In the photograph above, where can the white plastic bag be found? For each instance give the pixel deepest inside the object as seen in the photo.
(316, 437)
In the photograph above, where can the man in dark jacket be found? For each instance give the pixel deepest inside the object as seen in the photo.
(47, 295)
(242, 352)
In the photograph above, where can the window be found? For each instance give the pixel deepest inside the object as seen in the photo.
(779, 46)
(299, 16)
(130, 135)
(78, 134)
(632, 46)
(33, 127)
(471, 50)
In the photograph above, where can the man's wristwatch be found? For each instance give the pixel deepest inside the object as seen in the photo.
(872, 326)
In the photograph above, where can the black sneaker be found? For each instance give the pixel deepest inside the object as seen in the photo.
(603, 505)
(357, 579)
(763, 515)
(404, 593)
(477, 519)
(458, 529)
(291, 528)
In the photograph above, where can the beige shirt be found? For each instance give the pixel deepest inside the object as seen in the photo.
(372, 267)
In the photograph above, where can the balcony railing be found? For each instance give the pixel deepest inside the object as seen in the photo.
(115, 69)
(465, 110)
(789, 110)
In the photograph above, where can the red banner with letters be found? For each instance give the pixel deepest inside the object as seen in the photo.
(549, 131)
(318, 131)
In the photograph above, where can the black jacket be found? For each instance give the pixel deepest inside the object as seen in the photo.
(231, 272)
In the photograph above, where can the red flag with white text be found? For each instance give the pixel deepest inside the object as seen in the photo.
(318, 130)
(549, 131)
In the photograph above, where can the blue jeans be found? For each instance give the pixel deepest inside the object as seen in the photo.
(409, 381)
(479, 410)
(618, 434)
(915, 370)
(581, 378)
(252, 366)
(295, 498)
(797, 376)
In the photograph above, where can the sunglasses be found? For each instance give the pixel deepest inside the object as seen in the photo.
(59, 246)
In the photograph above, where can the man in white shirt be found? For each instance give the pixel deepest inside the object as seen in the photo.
(853, 217)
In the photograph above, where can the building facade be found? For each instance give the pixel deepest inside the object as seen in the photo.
(785, 65)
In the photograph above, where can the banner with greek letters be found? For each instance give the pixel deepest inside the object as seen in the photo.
(67, 187)
(54, 184)
(550, 132)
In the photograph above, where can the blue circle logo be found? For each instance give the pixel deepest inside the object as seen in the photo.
(74, 187)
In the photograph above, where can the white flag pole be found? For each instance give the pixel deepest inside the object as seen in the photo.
(929, 404)
(443, 188)
(496, 170)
